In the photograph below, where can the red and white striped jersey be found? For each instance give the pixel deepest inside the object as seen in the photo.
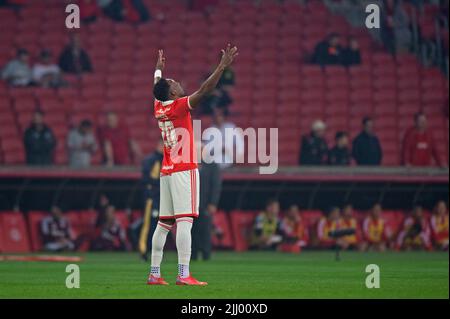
(175, 123)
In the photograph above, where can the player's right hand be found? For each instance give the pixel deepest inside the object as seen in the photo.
(161, 63)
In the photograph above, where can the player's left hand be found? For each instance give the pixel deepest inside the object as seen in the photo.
(161, 63)
(228, 55)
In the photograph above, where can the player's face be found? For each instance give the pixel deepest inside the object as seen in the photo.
(273, 209)
(348, 212)
(334, 215)
(176, 90)
(376, 211)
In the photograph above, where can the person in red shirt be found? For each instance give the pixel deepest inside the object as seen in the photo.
(375, 231)
(179, 182)
(419, 147)
(295, 232)
(118, 147)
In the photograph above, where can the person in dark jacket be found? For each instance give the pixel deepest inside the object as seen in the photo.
(39, 141)
(329, 51)
(211, 187)
(151, 167)
(351, 55)
(340, 153)
(74, 58)
(314, 148)
(366, 148)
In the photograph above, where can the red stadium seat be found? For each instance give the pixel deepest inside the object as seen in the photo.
(34, 219)
(223, 236)
(14, 232)
(241, 225)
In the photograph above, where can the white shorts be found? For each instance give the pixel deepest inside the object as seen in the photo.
(179, 194)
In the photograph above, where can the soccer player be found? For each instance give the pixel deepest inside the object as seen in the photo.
(179, 183)
(415, 232)
(374, 230)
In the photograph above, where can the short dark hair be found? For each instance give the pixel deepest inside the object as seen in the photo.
(86, 124)
(417, 115)
(161, 90)
(22, 51)
(366, 119)
(340, 135)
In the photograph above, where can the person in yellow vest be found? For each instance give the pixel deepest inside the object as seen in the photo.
(329, 223)
(348, 221)
(266, 230)
(439, 226)
(374, 230)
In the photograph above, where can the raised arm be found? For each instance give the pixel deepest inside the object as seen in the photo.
(160, 64)
(210, 84)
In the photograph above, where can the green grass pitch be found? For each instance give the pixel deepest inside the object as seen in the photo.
(237, 275)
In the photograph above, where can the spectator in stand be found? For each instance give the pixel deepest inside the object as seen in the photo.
(294, 231)
(266, 229)
(132, 11)
(366, 148)
(39, 141)
(329, 223)
(56, 232)
(374, 230)
(443, 15)
(111, 235)
(89, 10)
(117, 145)
(227, 79)
(339, 155)
(81, 145)
(46, 73)
(328, 51)
(218, 99)
(314, 148)
(395, 27)
(351, 55)
(348, 221)
(419, 147)
(225, 158)
(439, 226)
(17, 72)
(415, 232)
(13, 4)
(74, 58)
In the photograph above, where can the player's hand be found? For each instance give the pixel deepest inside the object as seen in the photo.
(161, 63)
(228, 55)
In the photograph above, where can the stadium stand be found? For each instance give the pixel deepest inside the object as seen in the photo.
(275, 37)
